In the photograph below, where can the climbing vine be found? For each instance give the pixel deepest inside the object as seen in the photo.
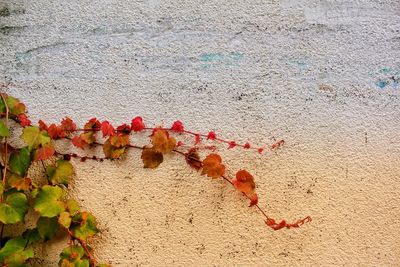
(48, 197)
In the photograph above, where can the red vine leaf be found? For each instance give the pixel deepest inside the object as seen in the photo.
(107, 129)
(92, 124)
(211, 136)
(44, 152)
(244, 182)
(124, 128)
(151, 158)
(193, 159)
(197, 139)
(212, 166)
(247, 146)
(42, 125)
(55, 131)
(232, 144)
(162, 142)
(283, 224)
(23, 120)
(68, 125)
(177, 126)
(137, 124)
(278, 144)
(78, 142)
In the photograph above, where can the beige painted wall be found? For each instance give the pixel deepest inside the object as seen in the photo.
(323, 75)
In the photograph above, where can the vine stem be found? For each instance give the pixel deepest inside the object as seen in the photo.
(5, 152)
(4, 171)
(175, 151)
(84, 246)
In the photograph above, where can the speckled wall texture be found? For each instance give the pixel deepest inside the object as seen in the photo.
(323, 75)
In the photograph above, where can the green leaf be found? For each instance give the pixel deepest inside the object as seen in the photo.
(15, 106)
(2, 105)
(60, 173)
(31, 235)
(73, 206)
(4, 131)
(47, 227)
(14, 253)
(14, 208)
(20, 161)
(34, 137)
(65, 219)
(19, 259)
(12, 246)
(74, 256)
(48, 202)
(84, 225)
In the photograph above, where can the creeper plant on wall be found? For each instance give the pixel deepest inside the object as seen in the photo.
(48, 198)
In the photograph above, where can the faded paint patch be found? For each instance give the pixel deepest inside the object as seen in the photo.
(210, 60)
(386, 77)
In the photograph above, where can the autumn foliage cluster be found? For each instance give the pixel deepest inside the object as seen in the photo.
(48, 197)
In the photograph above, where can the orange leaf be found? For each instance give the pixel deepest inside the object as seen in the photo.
(92, 124)
(19, 183)
(68, 125)
(212, 166)
(88, 137)
(119, 140)
(244, 182)
(111, 151)
(44, 152)
(193, 159)
(79, 142)
(151, 158)
(162, 142)
(276, 226)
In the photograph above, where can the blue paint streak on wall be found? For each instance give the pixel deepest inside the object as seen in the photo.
(382, 84)
(220, 59)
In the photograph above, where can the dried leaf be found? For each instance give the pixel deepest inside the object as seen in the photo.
(151, 158)
(193, 159)
(162, 142)
(212, 166)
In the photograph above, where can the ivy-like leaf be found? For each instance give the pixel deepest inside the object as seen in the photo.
(60, 173)
(67, 125)
(244, 182)
(47, 227)
(212, 166)
(14, 253)
(107, 129)
(177, 126)
(23, 120)
(78, 142)
(34, 137)
(162, 142)
(84, 225)
(72, 206)
(19, 183)
(15, 107)
(111, 151)
(48, 202)
(193, 159)
(151, 158)
(74, 256)
(14, 208)
(137, 124)
(20, 161)
(44, 152)
(65, 219)
(4, 131)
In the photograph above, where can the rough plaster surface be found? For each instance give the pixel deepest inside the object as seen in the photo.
(323, 75)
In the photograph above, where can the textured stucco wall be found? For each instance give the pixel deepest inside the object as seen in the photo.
(323, 75)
